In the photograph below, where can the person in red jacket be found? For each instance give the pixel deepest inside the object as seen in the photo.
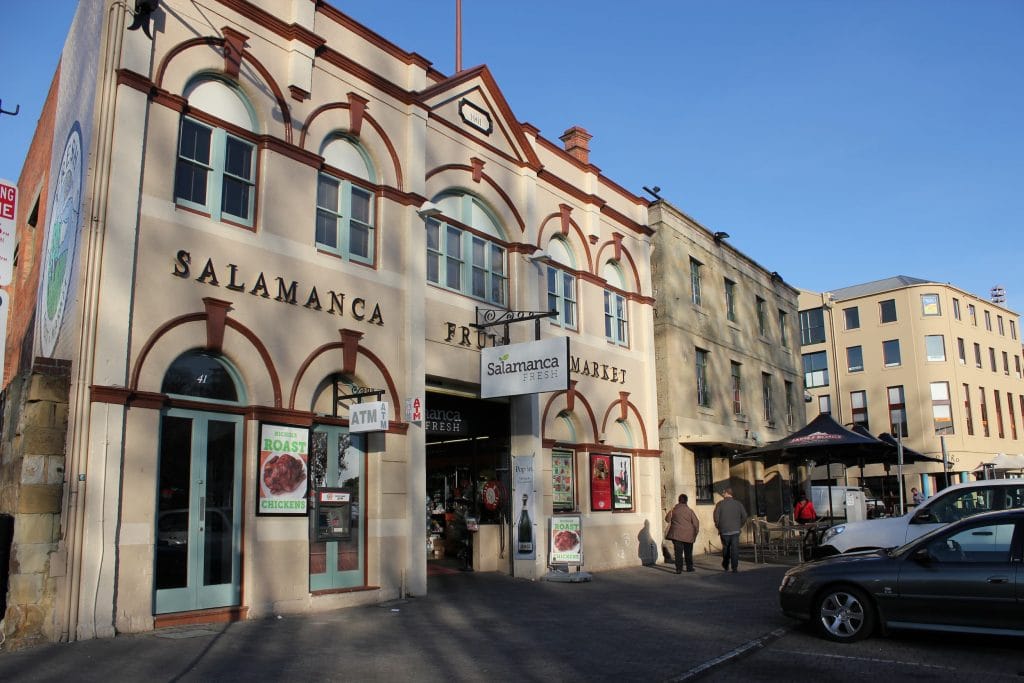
(803, 511)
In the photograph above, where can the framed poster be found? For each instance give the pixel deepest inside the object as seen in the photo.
(622, 489)
(600, 482)
(563, 481)
(565, 540)
(283, 471)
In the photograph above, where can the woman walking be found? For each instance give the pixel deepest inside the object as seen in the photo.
(682, 531)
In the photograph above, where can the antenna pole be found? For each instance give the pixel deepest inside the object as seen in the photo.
(458, 36)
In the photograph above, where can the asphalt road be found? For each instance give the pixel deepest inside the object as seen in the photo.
(641, 623)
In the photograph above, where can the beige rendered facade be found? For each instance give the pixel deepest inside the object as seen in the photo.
(941, 361)
(288, 214)
(726, 347)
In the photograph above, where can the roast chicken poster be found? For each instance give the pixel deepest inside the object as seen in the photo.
(283, 470)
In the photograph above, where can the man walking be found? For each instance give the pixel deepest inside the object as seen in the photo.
(730, 516)
(682, 531)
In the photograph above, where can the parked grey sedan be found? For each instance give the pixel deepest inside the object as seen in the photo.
(967, 576)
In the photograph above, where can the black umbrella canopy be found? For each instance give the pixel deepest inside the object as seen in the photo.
(824, 441)
(910, 456)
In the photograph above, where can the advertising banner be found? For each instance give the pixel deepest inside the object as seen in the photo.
(600, 482)
(622, 488)
(8, 225)
(566, 540)
(563, 481)
(283, 470)
(524, 536)
(529, 368)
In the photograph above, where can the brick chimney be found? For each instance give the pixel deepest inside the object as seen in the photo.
(577, 143)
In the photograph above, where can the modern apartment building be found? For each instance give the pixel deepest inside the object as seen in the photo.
(921, 359)
(726, 344)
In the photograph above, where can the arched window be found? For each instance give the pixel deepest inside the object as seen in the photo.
(344, 201)
(216, 170)
(616, 318)
(202, 375)
(561, 283)
(467, 253)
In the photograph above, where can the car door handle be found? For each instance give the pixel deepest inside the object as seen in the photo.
(998, 579)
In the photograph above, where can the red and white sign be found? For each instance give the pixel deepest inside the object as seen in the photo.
(8, 229)
(414, 410)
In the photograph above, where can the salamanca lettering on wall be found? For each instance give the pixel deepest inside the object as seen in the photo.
(286, 291)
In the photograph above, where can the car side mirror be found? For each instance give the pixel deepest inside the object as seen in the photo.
(922, 555)
(924, 516)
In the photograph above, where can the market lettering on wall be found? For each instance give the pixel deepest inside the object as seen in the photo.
(463, 335)
(333, 303)
(609, 373)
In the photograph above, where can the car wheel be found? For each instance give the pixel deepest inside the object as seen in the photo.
(844, 614)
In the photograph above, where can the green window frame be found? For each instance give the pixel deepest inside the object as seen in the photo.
(215, 172)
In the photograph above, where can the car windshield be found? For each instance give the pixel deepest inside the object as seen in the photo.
(921, 541)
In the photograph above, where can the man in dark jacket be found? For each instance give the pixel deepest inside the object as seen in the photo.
(730, 516)
(682, 531)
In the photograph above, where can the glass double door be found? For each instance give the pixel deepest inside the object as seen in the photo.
(198, 525)
(337, 461)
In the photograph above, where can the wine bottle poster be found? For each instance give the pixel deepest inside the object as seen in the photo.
(524, 535)
(600, 482)
(622, 482)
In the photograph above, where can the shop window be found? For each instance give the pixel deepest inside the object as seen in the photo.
(216, 170)
(561, 284)
(616, 319)
(466, 251)
(344, 202)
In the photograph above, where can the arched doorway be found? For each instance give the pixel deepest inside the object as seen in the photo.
(198, 517)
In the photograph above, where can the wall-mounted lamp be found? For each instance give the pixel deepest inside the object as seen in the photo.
(719, 236)
(429, 210)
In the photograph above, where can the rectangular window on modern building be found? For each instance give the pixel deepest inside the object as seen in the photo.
(988, 321)
(703, 393)
(1020, 399)
(930, 304)
(891, 353)
(997, 403)
(935, 347)
(1016, 365)
(983, 409)
(859, 408)
(942, 409)
(992, 358)
(1013, 330)
(887, 311)
(1011, 415)
(968, 417)
(704, 478)
(812, 326)
(961, 353)
(852, 317)
(977, 355)
(956, 309)
(999, 325)
(815, 369)
(854, 359)
(762, 316)
(737, 387)
(897, 412)
(972, 313)
(730, 300)
(1006, 363)
(695, 275)
(766, 397)
(825, 404)
(783, 328)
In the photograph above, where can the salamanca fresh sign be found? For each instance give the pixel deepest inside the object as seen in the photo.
(529, 368)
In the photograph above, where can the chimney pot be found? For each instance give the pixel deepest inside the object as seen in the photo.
(577, 143)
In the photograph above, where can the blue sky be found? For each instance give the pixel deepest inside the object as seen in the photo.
(892, 130)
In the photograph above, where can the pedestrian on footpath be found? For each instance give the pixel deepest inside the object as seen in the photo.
(682, 531)
(730, 516)
(803, 511)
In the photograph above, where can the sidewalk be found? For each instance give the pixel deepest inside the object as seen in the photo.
(638, 623)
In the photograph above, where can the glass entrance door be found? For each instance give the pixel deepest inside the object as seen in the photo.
(198, 530)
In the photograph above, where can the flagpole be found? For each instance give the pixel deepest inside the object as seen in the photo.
(458, 36)
(899, 465)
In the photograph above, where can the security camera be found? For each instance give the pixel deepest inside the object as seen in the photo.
(807, 397)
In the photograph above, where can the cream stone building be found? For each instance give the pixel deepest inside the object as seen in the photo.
(268, 225)
(925, 359)
(726, 342)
